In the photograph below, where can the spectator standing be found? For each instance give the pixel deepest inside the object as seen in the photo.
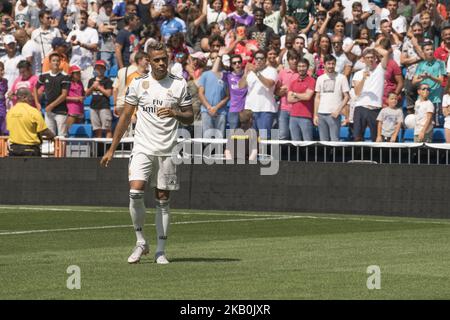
(390, 120)
(301, 96)
(11, 59)
(301, 11)
(26, 80)
(75, 97)
(84, 41)
(56, 84)
(368, 84)
(259, 31)
(61, 47)
(101, 89)
(108, 31)
(332, 95)
(171, 24)
(44, 35)
(260, 80)
(126, 42)
(411, 55)
(285, 79)
(239, 16)
(431, 71)
(30, 50)
(237, 95)
(424, 109)
(214, 95)
(274, 18)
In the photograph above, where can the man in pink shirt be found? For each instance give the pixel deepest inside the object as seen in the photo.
(301, 97)
(285, 78)
(26, 80)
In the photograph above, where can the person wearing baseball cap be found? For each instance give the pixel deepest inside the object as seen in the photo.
(11, 59)
(60, 47)
(75, 97)
(101, 89)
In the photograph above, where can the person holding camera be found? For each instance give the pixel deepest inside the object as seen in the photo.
(108, 31)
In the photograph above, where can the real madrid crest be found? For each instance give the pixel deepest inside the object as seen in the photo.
(145, 85)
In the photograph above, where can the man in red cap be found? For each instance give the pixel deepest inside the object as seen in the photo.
(101, 89)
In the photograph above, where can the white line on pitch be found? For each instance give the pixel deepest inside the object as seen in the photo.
(121, 210)
(129, 226)
(284, 214)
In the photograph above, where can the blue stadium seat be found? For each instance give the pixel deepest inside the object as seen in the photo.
(80, 131)
(408, 135)
(439, 135)
(112, 72)
(344, 134)
(87, 115)
(88, 100)
(367, 134)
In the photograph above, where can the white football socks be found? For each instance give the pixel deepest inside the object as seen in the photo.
(137, 212)
(162, 223)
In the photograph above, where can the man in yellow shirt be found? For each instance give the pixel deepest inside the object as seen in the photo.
(26, 127)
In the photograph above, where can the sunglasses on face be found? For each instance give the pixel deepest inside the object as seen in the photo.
(259, 58)
(236, 62)
(425, 89)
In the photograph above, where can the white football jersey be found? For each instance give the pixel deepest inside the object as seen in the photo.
(153, 135)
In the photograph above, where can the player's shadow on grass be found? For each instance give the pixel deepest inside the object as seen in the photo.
(200, 259)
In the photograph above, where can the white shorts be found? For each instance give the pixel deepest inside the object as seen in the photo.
(161, 171)
(447, 122)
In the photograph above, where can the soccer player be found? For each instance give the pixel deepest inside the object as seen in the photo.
(162, 100)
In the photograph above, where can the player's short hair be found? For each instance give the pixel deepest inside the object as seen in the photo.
(245, 116)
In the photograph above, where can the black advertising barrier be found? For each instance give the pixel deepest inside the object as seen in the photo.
(372, 189)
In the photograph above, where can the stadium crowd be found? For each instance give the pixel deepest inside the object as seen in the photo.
(301, 66)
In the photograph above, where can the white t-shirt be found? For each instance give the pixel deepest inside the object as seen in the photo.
(31, 49)
(421, 109)
(341, 62)
(11, 71)
(446, 104)
(399, 24)
(331, 89)
(120, 83)
(153, 135)
(213, 16)
(347, 4)
(274, 21)
(83, 57)
(372, 93)
(389, 118)
(259, 97)
(44, 39)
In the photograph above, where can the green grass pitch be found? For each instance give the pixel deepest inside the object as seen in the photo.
(222, 255)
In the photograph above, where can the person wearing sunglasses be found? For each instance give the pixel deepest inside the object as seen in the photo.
(237, 95)
(260, 80)
(423, 110)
